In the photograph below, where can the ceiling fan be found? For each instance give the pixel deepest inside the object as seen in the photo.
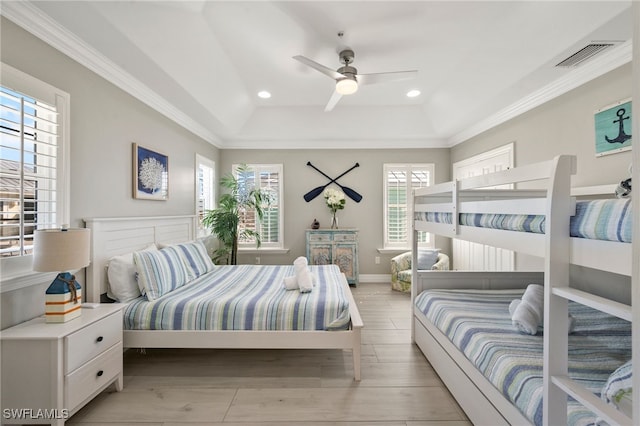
(347, 78)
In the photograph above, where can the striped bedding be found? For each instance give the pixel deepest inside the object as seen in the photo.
(246, 297)
(479, 324)
(595, 219)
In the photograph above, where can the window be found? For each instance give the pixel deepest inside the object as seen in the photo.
(34, 179)
(399, 181)
(205, 190)
(267, 177)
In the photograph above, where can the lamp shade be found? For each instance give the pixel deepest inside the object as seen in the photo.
(56, 250)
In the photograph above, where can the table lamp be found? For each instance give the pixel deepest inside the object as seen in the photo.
(56, 250)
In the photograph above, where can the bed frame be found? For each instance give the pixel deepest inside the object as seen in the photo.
(482, 402)
(115, 236)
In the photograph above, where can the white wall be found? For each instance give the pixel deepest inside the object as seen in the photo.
(105, 121)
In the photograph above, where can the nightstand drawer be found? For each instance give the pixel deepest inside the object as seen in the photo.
(319, 237)
(344, 237)
(85, 344)
(86, 380)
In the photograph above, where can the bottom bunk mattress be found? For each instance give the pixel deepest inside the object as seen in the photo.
(246, 297)
(479, 324)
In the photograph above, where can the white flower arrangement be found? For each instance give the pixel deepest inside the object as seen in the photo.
(335, 199)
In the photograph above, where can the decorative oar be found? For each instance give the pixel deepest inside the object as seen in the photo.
(317, 191)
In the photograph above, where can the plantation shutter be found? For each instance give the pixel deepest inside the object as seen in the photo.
(270, 225)
(400, 181)
(28, 170)
(267, 177)
(396, 206)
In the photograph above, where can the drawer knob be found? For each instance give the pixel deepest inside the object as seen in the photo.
(99, 339)
(99, 373)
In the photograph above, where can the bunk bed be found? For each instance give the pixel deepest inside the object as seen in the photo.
(461, 319)
(272, 318)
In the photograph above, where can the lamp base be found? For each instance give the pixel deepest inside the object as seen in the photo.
(63, 299)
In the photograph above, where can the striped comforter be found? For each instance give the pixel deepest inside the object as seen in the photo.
(596, 219)
(479, 324)
(246, 297)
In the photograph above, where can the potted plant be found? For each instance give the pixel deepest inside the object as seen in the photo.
(239, 201)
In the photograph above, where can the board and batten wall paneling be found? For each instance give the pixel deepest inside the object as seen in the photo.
(367, 216)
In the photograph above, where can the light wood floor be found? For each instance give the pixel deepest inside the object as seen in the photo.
(287, 387)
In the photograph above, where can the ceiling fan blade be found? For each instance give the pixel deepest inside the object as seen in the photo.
(319, 67)
(385, 77)
(333, 101)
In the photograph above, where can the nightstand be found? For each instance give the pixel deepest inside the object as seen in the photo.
(50, 371)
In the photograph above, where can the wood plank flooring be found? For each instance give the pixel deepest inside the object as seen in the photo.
(287, 387)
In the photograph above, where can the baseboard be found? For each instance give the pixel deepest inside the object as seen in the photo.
(375, 278)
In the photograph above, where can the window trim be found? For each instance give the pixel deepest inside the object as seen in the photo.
(277, 246)
(387, 246)
(16, 271)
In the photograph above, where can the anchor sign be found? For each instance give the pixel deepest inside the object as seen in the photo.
(622, 136)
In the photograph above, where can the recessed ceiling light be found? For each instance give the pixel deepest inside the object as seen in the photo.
(264, 94)
(413, 93)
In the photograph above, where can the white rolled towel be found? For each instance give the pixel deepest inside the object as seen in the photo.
(291, 283)
(529, 313)
(303, 276)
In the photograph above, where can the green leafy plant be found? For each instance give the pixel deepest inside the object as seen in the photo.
(227, 222)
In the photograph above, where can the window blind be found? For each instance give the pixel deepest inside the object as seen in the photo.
(28, 170)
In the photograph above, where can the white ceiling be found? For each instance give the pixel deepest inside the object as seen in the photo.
(202, 62)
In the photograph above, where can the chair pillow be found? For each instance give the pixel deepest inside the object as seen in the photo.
(121, 273)
(160, 272)
(427, 258)
(195, 255)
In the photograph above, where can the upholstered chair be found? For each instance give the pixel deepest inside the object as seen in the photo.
(401, 269)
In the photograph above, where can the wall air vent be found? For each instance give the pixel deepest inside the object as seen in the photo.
(585, 53)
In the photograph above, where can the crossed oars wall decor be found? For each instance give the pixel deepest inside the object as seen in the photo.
(318, 190)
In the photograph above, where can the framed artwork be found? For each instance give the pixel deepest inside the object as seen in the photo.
(613, 128)
(150, 174)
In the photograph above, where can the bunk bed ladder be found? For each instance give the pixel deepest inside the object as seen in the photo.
(557, 384)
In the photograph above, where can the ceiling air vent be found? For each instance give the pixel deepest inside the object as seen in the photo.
(585, 53)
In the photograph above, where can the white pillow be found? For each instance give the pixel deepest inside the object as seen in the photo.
(122, 285)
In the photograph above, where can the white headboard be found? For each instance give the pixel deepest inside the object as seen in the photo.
(119, 235)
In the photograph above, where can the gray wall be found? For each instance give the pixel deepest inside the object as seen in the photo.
(367, 216)
(105, 121)
(562, 126)
(566, 126)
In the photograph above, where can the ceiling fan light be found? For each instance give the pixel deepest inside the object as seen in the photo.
(346, 86)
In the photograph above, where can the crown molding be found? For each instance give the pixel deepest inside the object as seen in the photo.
(597, 67)
(333, 144)
(38, 23)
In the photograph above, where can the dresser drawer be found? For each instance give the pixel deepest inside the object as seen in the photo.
(319, 238)
(344, 237)
(83, 382)
(85, 344)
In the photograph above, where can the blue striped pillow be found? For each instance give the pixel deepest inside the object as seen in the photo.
(160, 272)
(195, 257)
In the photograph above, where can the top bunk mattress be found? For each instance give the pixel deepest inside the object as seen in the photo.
(478, 323)
(594, 219)
(246, 297)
